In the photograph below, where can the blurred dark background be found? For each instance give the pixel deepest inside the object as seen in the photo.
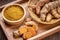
(2, 35)
(3, 2)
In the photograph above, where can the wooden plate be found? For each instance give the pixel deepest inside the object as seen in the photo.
(43, 31)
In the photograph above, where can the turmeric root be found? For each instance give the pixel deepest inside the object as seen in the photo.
(27, 35)
(32, 3)
(31, 29)
(26, 30)
(49, 17)
(58, 9)
(47, 8)
(40, 4)
(37, 4)
(43, 15)
(16, 34)
(55, 13)
(34, 25)
(30, 33)
(22, 30)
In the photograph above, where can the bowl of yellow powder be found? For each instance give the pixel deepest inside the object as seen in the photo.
(14, 14)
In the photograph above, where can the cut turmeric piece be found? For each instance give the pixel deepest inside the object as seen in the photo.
(22, 30)
(35, 27)
(27, 35)
(31, 29)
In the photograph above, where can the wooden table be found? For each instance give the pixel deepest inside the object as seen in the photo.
(55, 36)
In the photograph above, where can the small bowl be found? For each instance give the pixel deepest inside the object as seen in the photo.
(17, 22)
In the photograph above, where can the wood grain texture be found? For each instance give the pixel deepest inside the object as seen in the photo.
(55, 36)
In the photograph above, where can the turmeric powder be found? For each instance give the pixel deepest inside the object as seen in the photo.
(13, 12)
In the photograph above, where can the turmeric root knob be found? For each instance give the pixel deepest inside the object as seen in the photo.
(27, 35)
(30, 33)
(31, 29)
(16, 34)
(35, 27)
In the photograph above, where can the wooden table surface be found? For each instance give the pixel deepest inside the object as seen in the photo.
(55, 36)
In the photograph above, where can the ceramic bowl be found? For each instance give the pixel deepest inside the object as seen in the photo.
(18, 22)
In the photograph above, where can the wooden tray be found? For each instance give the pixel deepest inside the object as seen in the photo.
(44, 30)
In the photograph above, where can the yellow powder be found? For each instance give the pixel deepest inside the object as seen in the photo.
(14, 13)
